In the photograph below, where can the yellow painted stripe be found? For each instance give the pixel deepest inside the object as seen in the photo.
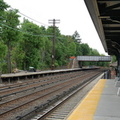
(88, 106)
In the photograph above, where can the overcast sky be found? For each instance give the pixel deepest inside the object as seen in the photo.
(73, 16)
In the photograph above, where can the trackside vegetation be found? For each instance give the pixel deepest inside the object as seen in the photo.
(27, 44)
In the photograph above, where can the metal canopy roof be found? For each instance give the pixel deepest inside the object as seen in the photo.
(106, 18)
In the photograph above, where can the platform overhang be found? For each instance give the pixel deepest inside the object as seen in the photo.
(106, 18)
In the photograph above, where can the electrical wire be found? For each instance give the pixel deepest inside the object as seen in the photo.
(24, 31)
(30, 18)
(33, 19)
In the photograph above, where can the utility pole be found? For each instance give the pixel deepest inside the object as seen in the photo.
(54, 21)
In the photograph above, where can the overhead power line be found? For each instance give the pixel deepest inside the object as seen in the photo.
(31, 18)
(24, 32)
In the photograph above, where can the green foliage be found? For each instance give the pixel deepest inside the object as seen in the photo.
(76, 37)
(114, 59)
(94, 52)
(11, 21)
(10, 34)
(3, 53)
(3, 50)
(31, 44)
(85, 49)
(3, 7)
(17, 56)
(27, 44)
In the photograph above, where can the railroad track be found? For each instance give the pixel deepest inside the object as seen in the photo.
(32, 85)
(33, 96)
(62, 111)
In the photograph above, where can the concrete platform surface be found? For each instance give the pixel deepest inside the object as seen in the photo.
(109, 104)
(101, 103)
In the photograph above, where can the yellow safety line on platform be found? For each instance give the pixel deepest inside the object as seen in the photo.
(88, 106)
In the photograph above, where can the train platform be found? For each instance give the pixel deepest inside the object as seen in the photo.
(23, 73)
(101, 103)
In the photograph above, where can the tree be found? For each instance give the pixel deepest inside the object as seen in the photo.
(3, 7)
(114, 59)
(78, 49)
(85, 49)
(94, 52)
(10, 33)
(65, 48)
(76, 37)
(33, 44)
(3, 48)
